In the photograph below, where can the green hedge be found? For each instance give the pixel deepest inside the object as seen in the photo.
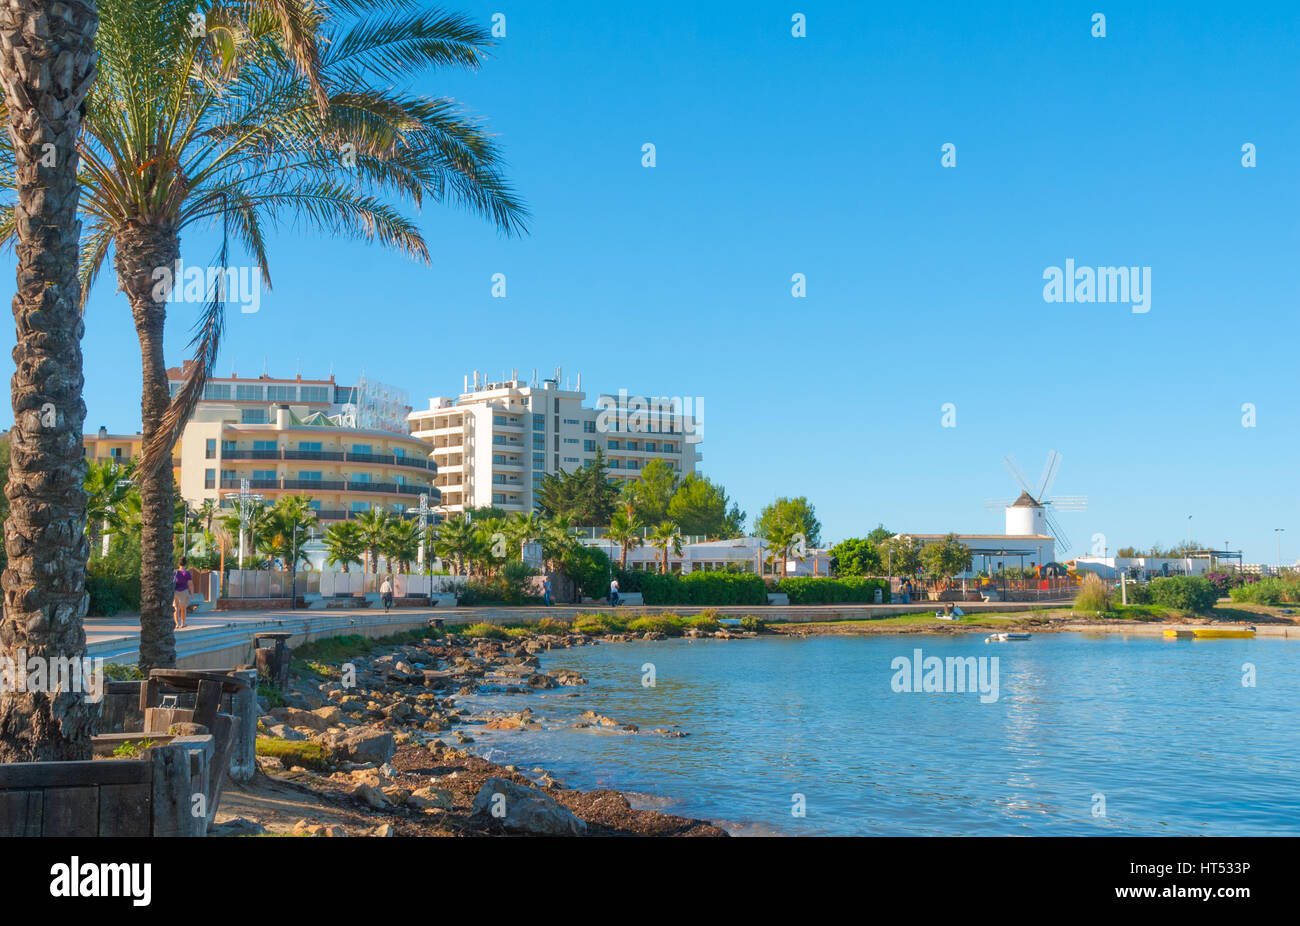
(1268, 591)
(700, 588)
(110, 593)
(1187, 593)
(813, 590)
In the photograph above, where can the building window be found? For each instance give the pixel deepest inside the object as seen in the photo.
(498, 498)
(228, 446)
(282, 393)
(570, 420)
(612, 445)
(311, 446)
(539, 422)
(631, 445)
(650, 446)
(209, 479)
(572, 460)
(263, 474)
(539, 443)
(570, 440)
(264, 445)
(589, 427)
(360, 507)
(539, 461)
(314, 393)
(499, 478)
(632, 464)
(210, 448)
(360, 477)
(248, 393)
(253, 416)
(216, 391)
(313, 475)
(361, 448)
(589, 446)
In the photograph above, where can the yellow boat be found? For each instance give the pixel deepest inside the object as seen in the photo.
(1213, 633)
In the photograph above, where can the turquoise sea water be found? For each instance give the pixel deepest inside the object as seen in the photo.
(1162, 731)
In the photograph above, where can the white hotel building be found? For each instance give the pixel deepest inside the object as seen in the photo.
(494, 443)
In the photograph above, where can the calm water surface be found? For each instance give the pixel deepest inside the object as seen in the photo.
(1163, 729)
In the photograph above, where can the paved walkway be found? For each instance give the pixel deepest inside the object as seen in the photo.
(214, 639)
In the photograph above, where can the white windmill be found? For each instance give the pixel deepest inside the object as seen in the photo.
(1031, 512)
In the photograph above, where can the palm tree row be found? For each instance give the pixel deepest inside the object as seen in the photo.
(482, 547)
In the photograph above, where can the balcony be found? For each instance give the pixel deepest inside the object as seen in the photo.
(335, 455)
(319, 485)
(250, 454)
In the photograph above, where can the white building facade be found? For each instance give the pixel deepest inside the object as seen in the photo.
(495, 442)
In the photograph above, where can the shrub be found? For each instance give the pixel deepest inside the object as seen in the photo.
(670, 625)
(814, 590)
(552, 625)
(1265, 591)
(116, 672)
(699, 588)
(704, 621)
(751, 623)
(598, 624)
(110, 593)
(1093, 594)
(273, 695)
(1186, 593)
(1138, 593)
(490, 631)
(514, 580)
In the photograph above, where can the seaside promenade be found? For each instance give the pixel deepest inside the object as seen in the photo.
(219, 639)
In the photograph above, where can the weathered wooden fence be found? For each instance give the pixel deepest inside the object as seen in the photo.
(152, 796)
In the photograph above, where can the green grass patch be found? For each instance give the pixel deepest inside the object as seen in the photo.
(670, 625)
(274, 697)
(120, 673)
(599, 623)
(296, 752)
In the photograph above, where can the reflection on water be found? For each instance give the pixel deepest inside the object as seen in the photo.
(1163, 730)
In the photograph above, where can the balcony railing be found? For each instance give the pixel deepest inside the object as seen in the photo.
(323, 485)
(382, 459)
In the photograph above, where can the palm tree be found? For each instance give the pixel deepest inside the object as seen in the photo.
(666, 537)
(186, 131)
(107, 485)
(257, 523)
(373, 526)
(402, 544)
(781, 539)
(47, 64)
(558, 541)
(456, 540)
(287, 527)
(625, 530)
(344, 544)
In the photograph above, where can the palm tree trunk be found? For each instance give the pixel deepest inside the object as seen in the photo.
(47, 64)
(142, 249)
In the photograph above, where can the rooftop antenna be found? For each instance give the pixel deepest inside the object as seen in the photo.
(534, 376)
(264, 373)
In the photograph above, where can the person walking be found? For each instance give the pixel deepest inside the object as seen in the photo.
(183, 585)
(613, 593)
(386, 592)
(546, 591)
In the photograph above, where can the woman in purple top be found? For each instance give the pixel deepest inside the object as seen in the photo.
(181, 598)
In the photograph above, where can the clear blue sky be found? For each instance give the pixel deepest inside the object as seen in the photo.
(821, 156)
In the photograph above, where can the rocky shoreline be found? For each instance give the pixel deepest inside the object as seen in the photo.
(374, 744)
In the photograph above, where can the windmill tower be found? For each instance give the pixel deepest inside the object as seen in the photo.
(1031, 512)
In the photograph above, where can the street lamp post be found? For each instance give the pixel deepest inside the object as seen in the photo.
(1278, 531)
(245, 502)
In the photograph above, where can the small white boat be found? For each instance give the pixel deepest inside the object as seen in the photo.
(1005, 637)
